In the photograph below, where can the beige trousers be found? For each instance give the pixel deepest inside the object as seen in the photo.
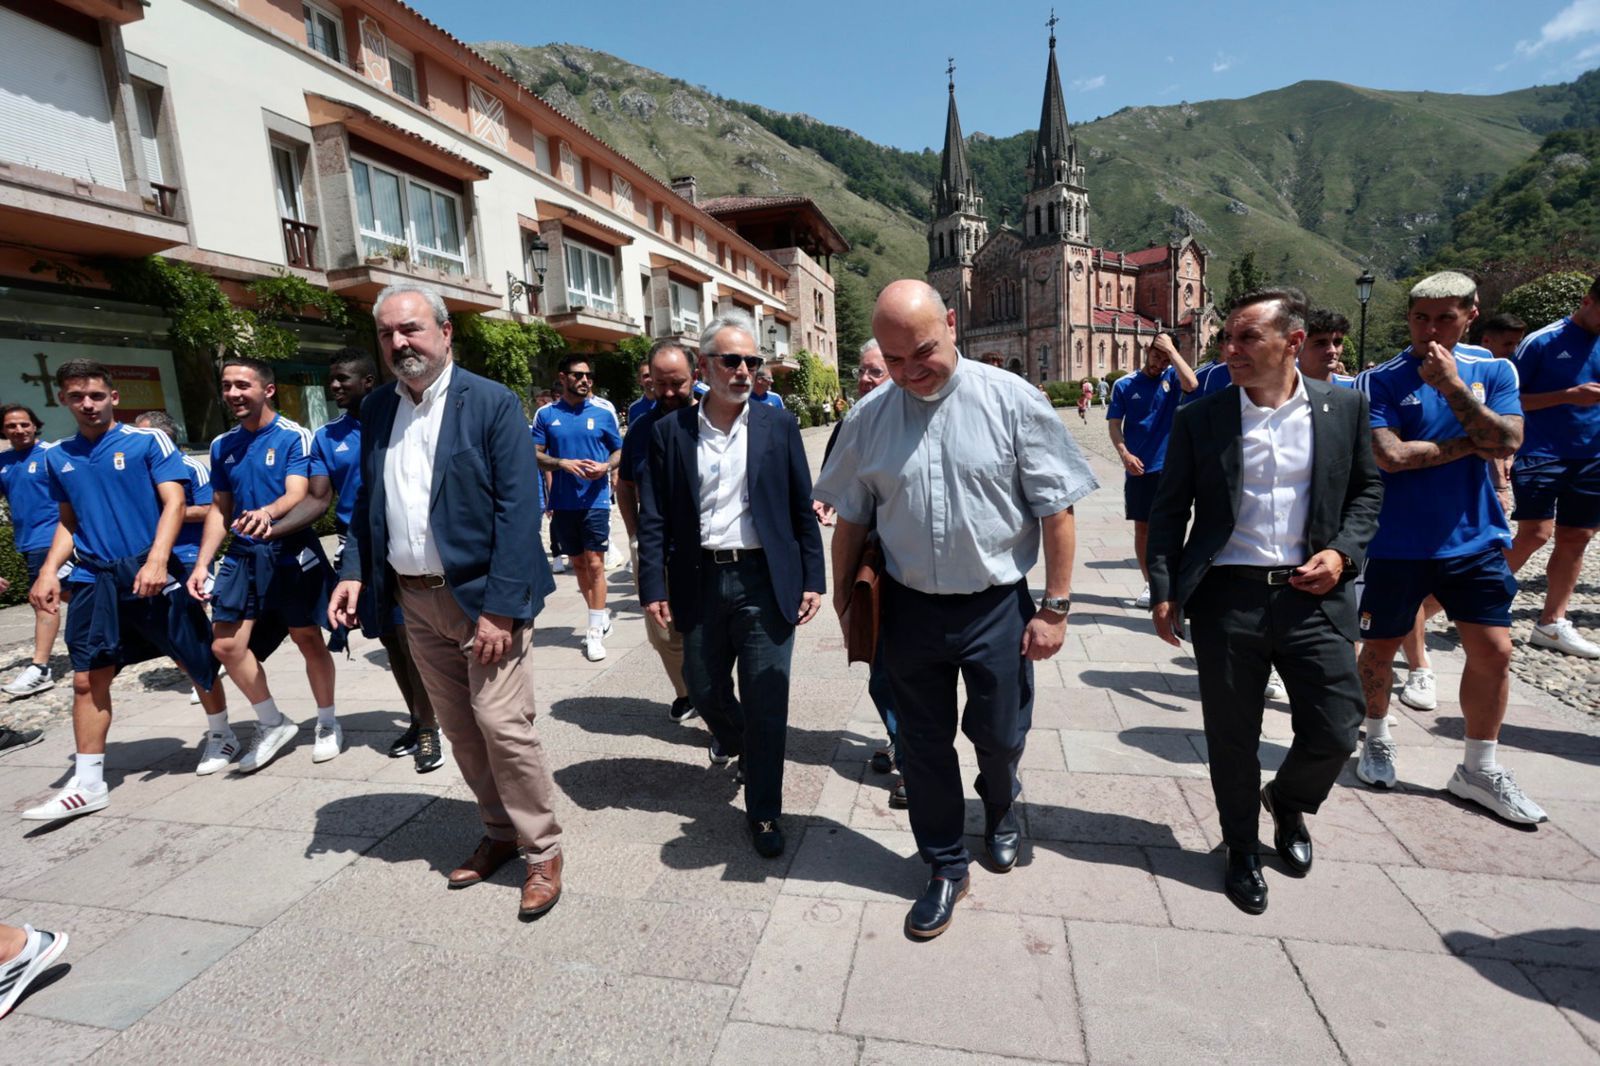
(486, 712)
(668, 642)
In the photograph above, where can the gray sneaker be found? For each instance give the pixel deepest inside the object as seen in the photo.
(17, 739)
(1498, 791)
(1376, 765)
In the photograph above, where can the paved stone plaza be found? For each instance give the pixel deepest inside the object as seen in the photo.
(300, 915)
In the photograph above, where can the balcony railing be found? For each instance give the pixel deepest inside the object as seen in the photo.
(300, 243)
(166, 198)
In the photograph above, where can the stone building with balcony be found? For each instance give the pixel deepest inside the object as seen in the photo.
(352, 143)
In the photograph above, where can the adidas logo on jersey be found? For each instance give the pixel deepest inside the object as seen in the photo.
(227, 461)
(67, 468)
(1411, 401)
(344, 446)
(1564, 355)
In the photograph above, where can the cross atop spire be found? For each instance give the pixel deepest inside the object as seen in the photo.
(951, 71)
(1051, 22)
(1053, 145)
(956, 190)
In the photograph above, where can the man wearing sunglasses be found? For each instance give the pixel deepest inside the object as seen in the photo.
(731, 556)
(580, 444)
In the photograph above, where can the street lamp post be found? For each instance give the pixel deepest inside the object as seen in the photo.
(1363, 293)
(539, 255)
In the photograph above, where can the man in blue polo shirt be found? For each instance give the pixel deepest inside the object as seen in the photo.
(120, 492)
(1441, 410)
(1556, 478)
(1212, 377)
(25, 484)
(672, 368)
(335, 469)
(647, 396)
(1139, 420)
(259, 472)
(761, 390)
(579, 442)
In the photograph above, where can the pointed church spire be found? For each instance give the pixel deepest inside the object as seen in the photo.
(956, 189)
(1053, 144)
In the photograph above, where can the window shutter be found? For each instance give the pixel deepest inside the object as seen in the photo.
(58, 117)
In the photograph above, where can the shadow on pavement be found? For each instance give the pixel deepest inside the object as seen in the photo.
(1473, 949)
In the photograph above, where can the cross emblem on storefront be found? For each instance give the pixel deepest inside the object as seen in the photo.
(42, 379)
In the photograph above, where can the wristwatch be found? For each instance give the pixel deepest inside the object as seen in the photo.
(1056, 604)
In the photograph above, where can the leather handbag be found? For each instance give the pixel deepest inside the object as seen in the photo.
(861, 617)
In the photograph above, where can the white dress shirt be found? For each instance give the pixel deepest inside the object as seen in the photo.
(1275, 483)
(723, 460)
(408, 478)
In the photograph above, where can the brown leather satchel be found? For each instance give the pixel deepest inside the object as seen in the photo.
(861, 617)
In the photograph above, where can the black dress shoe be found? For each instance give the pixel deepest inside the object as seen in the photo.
(768, 838)
(882, 760)
(897, 797)
(405, 744)
(429, 754)
(1289, 836)
(682, 709)
(1243, 881)
(1002, 835)
(930, 915)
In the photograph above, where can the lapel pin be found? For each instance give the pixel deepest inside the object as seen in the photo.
(1324, 408)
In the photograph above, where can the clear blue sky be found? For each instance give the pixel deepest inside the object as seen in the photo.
(878, 68)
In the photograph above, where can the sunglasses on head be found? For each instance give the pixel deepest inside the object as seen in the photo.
(751, 363)
(580, 374)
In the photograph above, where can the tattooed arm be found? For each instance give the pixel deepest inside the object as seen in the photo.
(1493, 435)
(1394, 454)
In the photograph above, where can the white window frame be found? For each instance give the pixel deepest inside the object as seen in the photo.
(297, 209)
(399, 57)
(593, 265)
(334, 16)
(437, 258)
(685, 301)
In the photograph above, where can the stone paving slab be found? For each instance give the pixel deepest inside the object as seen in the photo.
(299, 915)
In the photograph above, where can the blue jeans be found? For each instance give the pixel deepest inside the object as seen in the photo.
(883, 699)
(741, 627)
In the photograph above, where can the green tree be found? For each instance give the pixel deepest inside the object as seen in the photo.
(1543, 300)
(516, 354)
(851, 322)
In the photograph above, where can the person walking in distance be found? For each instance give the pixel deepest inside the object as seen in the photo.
(1278, 474)
(25, 484)
(446, 524)
(965, 468)
(580, 444)
(1440, 411)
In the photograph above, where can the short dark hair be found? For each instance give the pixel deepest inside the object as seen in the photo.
(572, 360)
(1504, 322)
(670, 344)
(1326, 320)
(263, 370)
(12, 408)
(159, 420)
(359, 361)
(84, 370)
(1292, 307)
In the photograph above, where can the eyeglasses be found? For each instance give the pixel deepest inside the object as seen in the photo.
(751, 363)
(581, 374)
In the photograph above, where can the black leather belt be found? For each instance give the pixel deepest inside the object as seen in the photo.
(725, 556)
(420, 582)
(1267, 575)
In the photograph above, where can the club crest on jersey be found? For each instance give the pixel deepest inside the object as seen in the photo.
(1166, 386)
(1477, 391)
(1413, 400)
(33, 467)
(119, 462)
(591, 424)
(272, 456)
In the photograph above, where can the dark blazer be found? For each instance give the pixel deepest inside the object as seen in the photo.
(484, 509)
(1202, 474)
(780, 503)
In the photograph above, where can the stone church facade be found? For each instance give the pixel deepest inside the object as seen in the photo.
(1044, 301)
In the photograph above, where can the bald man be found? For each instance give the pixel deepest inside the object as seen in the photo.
(960, 529)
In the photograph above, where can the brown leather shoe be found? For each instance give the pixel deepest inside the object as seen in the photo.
(490, 856)
(542, 888)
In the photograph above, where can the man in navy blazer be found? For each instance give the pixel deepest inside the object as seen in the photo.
(446, 524)
(730, 555)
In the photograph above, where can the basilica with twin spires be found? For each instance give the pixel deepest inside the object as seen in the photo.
(1044, 301)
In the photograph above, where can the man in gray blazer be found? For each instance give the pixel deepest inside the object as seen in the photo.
(1277, 470)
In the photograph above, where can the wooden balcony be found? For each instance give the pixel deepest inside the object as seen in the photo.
(300, 243)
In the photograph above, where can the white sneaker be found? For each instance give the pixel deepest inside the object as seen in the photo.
(558, 564)
(1559, 635)
(1418, 691)
(1142, 602)
(593, 650)
(70, 802)
(39, 952)
(266, 744)
(1498, 791)
(1275, 689)
(329, 742)
(221, 749)
(34, 678)
(1376, 765)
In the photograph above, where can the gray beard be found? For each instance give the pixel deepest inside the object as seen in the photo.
(410, 367)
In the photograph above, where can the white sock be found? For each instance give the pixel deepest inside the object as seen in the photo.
(1480, 755)
(91, 772)
(218, 723)
(597, 619)
(327, 716)
(267, 712)
(1377, 728)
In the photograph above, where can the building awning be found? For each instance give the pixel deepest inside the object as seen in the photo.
(679, 267)
(121, 12)
(365, 281)
(578, 222)
(325, 111)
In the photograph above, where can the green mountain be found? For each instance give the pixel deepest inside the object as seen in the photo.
(1321, 180)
